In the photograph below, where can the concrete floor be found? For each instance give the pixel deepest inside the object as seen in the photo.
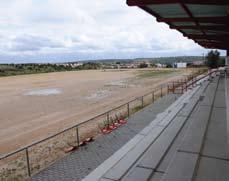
(188, 142)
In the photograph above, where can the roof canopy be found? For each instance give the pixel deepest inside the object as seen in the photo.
(204, 21)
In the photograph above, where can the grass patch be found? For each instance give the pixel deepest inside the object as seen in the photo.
(135, 109)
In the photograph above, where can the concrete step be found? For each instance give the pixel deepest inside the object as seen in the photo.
(182, 167)
(157, 150)
(192, 142)
(122, 166)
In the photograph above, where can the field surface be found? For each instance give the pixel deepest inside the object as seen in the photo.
(33, 107)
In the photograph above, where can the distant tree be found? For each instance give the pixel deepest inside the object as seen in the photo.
(169, 65)
(221, 62)
(152, 65)
(213, 58)
(143, 65)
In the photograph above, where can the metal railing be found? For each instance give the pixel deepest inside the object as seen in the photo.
(32, 158)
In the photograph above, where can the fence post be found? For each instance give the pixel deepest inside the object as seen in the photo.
(193, 81)
(173, 88)
(153, 96)
(27, 160)
(161, 91)
(186, 85)
(142, 101)
(128, 109)
(108, 118)
(77, 135)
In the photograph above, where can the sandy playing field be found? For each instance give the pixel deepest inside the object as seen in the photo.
(35, 106)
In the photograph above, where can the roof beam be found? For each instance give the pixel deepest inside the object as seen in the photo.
(223, 47)
(151, 2)
(210, 41)
(219, 20)
(209, 37)
(186, 9)
(214, 46)
(218, 27)
(222, 44)
(148, 10)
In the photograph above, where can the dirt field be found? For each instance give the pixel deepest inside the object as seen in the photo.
(35, 106)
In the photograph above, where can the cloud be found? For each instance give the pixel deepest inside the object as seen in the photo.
(27, 43)
(54, 29)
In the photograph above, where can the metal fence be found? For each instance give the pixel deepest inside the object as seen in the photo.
(26, 161)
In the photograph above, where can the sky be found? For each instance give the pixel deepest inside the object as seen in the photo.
(71, 30)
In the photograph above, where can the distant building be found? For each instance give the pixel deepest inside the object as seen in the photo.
(198, 63)
(159, 65)
(180, 65)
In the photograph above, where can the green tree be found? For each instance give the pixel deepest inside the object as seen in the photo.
(213, 58)
(221, 62)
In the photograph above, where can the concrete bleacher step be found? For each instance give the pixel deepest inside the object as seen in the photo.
(209, 94)
(124, 164)
(139, 144)
(185, 112)
(192, 142)
(188, 107)
(103, 168)
(138, 173)
(211, 169)
(157, 150)
(154, 154)
(121, 168)
(151, 158)
(157, 176)
(182, 166)
(220, 100)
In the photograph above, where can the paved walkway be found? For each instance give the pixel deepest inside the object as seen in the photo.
(81, 162)
(187, 142)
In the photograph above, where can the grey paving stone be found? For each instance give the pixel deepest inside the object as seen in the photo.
(157, 150)
(189, 107)
(213, 170)
(105, 179)
(195, 134)
(173, 149)
(138, 174)
(157, 176)
(182, 167)
(121, 168)
(220, 99)
(209, 95)
(216, 143)
(221, 86)
(170, 116)
(202, 89)
(149, 128)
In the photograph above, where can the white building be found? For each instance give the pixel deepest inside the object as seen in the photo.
(180, 65)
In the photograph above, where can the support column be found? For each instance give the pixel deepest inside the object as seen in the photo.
(227, 92)
(227, 61)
